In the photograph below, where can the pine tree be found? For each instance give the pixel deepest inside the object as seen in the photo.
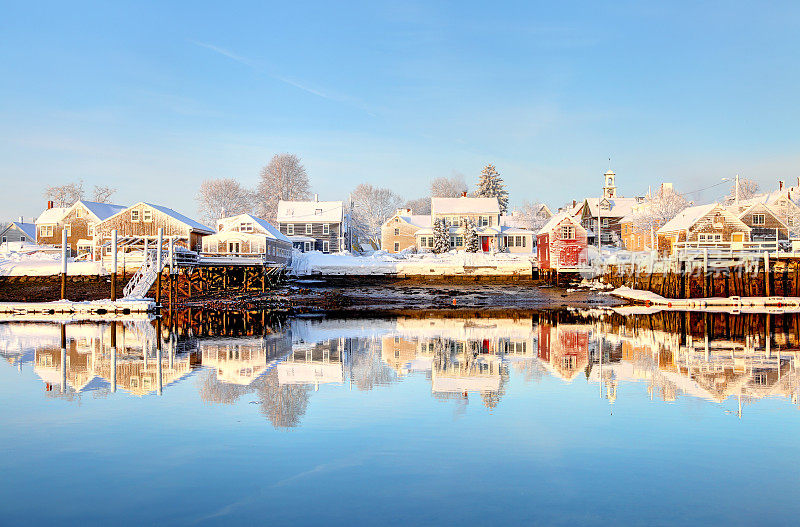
(491, 185)
(441, 237)
(471, 241)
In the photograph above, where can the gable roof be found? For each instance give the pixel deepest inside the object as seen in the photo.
(329, 211)
(423, 221)
(759, 206)
(464, 205)
(53, 215)
(28, 229)
(101, 211)
(689, 216)
(270, 229)
(558, 218)
(189, 222)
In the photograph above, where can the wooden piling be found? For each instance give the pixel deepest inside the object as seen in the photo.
(63, 264)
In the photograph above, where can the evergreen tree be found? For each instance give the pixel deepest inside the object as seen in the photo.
(491, 185)
(441, 237)
(471, 241)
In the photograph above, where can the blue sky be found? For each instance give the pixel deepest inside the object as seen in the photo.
(154, 98)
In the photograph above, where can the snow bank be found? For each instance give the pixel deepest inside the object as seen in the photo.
(41, 264)
(407, 264)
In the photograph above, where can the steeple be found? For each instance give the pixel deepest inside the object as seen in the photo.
(610, 187)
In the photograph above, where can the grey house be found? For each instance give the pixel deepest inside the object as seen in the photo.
(18, 231)
(315, 225)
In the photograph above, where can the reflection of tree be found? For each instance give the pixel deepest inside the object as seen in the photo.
(284, 405)
(213, 391)
(368, 368)
(492, 399)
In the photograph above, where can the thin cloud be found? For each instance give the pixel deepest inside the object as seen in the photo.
(225, 52)
(252, 64)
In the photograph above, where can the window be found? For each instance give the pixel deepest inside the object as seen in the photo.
(307, 246)
(308, 228)
(459, 241)
(326, 228)
(79, 212)
(318, 212)
(396, 232)
(4, 239)
(90, 229)
(605, 222)
(510, 241)
(22, 238)
(396, 246)
(246, 227)
(567, 232)
(134, 215)
(46, 231)
(147, 215)
(290, 229)
(326, 246)
(483, 221)
(759, 219)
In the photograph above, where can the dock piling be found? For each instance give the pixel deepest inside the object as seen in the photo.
(64, 264)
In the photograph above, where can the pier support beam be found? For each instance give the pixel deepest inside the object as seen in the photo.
(113, 264)
(159, 248)
(64, 264)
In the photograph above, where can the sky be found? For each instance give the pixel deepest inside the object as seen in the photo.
(154, 97)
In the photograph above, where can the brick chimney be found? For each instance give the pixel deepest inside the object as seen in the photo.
(574, 202)
(49, 205)
(780, 185)
(463, 194)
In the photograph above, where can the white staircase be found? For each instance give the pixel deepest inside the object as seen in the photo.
(141, 282)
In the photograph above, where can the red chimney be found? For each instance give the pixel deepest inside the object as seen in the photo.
(780, 185)
(463, 194)
(574, 202)
(49, 205)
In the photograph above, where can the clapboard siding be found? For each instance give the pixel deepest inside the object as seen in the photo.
(317, 230)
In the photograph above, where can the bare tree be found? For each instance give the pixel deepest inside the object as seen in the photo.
(533, 216)
(371, 207)
(218, 198)
(284, 178)
(419, 205)
(657, 210)
(747, 189)
(452, 187)
(102, 194)
(284, 405)
(64, 195)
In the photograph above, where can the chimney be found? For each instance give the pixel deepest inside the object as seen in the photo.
(574, 202)
(21, 220)
(316, 197)
(49, 205)
(780, 185)
(463, 194)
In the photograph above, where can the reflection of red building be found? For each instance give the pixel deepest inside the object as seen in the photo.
(564, 349)
(561, 244)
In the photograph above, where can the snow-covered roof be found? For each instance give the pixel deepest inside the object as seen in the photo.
(558, 218)
(315, 211)
(619, 207)
(196, 225)
(755, 206)
(298, 238)
(688, 217)
(269, 228)
(464, 205)
(29, 229)
(418, 220)
(53, 215)
(101, 211)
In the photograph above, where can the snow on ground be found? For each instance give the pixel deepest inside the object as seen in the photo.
(408, 264)
(26, 263)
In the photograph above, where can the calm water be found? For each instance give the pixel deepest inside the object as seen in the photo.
(556, 418)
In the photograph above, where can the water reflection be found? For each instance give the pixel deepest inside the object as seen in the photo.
(278, 364)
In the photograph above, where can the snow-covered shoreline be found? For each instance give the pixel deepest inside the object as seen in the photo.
(27, 263)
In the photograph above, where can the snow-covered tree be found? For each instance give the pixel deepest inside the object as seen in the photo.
(747, 189)
(532, 215)
(218, 198)
(64, 195)
(284, 178)
(372, 206)
(441, 237)
(657, 210)
(102, 194)
(419, 205)
(471, 241)
(452, 187)
(490, 185)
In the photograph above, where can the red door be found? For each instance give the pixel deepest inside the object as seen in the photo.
(485, 244)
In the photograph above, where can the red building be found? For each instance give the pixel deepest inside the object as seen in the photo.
(561, 244)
